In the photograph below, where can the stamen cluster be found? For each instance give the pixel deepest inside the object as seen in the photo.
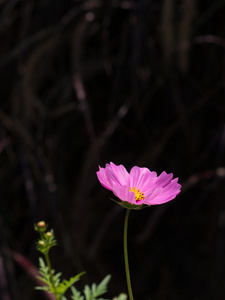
(138, 194)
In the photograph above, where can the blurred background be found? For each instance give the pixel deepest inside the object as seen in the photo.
(83, 83)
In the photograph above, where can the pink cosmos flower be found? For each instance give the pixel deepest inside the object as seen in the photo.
(140, 186)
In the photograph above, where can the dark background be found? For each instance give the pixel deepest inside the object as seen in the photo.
(83, 83)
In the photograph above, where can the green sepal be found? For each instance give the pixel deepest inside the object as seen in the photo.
(128, 205)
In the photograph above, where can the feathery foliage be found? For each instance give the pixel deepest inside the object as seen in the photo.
(51, 280)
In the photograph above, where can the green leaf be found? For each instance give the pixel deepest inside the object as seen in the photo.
(42, 288)
(96, 290)
(76, 295)
(45, 276)
(101, 288)
(66, 284)
(88, 293)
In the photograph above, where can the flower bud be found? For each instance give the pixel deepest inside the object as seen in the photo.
(41, 243)
(48, 234)
(41, 224)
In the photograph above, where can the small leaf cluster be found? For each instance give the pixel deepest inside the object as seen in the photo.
(51, 281)
(95, 291)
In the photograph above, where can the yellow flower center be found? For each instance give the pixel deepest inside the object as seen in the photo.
(138, 194)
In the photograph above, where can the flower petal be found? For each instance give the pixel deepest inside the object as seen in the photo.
(124, 194)
(168, 193)
(164, 179)
(142, 178)
(104, 178)
(154, 194)
(119, 174)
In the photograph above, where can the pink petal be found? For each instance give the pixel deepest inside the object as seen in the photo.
(161, 199)
(173, 188)
(123, 193)
(104, 178)
(156, 193)
(168, 193)
(119, 174)
(142, 178)
(113, 174)
(164, 179)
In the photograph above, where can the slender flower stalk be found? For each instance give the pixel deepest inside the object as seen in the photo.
(44, 244)
(129, 287)
(138, 189)
(46, 255)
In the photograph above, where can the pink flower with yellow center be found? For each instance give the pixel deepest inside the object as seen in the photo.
(139, 187)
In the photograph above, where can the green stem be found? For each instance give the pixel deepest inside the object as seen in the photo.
(51, 276)
(126, 256)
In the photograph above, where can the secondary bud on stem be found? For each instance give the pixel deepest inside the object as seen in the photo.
(48, 234)
(46, 240)
(42, 246)
(41, 224)
(41, 243)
